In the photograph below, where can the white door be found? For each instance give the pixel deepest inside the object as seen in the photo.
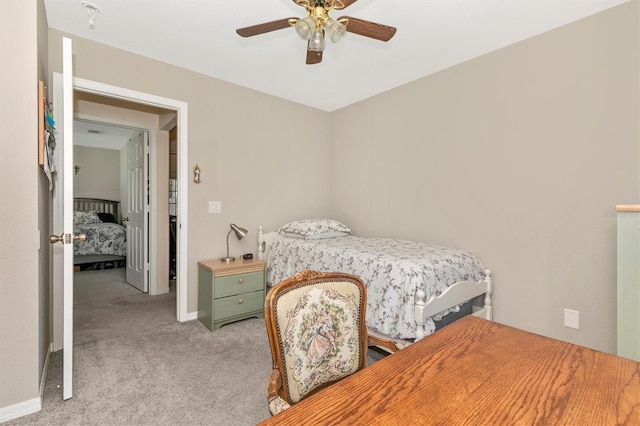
(64, 188)
(136, 211)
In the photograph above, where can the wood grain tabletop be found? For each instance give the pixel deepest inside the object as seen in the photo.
(477, 372)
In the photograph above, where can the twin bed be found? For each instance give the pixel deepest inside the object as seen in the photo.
(106, 239)
(412, 287)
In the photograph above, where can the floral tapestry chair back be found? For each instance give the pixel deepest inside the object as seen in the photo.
(317, 334)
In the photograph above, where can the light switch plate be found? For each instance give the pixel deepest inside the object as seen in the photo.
(215, 207)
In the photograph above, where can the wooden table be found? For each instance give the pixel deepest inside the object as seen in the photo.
(477, 372)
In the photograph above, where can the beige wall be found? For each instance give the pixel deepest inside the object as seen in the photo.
(249, 146)
(99, 173)
(519, 156)
(24, 322)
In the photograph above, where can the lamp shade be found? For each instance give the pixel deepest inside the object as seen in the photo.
(335, 30)
(304, 27)
(316, 43)
(240, 232)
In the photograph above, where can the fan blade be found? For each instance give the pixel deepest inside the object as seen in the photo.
(369, 29)
(346, 4)
(264, 27)
(313, 57)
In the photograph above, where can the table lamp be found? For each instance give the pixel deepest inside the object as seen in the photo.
(240, 233)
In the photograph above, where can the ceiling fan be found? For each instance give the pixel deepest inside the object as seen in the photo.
(318, 24)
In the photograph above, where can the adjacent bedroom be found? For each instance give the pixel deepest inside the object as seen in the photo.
(107, 181)
(97, 198)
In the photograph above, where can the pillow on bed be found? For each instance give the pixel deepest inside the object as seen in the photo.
(315, 228)
(322, 236)
(106, 218)
(84, 218)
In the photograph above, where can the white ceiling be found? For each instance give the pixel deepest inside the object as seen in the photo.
(98, 135)
(432, 35)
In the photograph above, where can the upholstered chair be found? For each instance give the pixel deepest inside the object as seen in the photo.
(317, 334)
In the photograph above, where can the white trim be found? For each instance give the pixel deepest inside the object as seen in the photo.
(31, 406)
(181, 109)
(192, 316)
(20, 409)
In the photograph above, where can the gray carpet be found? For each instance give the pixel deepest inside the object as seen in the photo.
(135, 365)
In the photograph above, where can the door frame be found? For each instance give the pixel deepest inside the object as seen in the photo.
(182, 119)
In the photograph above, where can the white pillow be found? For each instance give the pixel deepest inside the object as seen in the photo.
(85, 218)
(309, 227)
(322, 236)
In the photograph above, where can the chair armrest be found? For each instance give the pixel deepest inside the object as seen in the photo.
(274, 385)
(276, 403)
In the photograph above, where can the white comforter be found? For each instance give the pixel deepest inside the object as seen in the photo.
(391, 269)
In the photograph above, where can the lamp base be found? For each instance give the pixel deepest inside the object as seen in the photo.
(227, 259)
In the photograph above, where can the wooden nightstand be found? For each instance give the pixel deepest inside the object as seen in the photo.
(230, 292)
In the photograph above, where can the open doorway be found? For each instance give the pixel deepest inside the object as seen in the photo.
(139, 134)
(111, 181)
(168, 113)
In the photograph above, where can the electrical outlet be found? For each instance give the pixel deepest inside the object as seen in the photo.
(571, 318)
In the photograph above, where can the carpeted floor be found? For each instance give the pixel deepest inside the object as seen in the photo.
(135, 365)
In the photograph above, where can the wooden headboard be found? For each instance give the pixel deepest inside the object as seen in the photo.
(101, 206)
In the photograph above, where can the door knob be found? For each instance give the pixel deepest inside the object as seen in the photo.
(56, 238)
(66, 238)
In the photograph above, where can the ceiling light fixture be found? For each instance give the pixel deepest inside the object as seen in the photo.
(319, 22)
(92, 11)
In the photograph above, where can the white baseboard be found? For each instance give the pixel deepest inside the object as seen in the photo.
(20, 409)
(192, 316)
(31, 406)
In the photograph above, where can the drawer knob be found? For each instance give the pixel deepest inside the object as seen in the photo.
(240, 280)
(240, 301)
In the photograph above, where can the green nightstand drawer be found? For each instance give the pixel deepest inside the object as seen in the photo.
(238, 304)
(238, 284)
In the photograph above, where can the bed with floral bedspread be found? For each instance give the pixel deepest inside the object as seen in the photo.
(104, 235)
(102, 238)
(392, 269)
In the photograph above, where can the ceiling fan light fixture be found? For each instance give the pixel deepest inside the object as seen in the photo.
(305, 27)
(316, 42)
(319, 23)
(335, 30)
